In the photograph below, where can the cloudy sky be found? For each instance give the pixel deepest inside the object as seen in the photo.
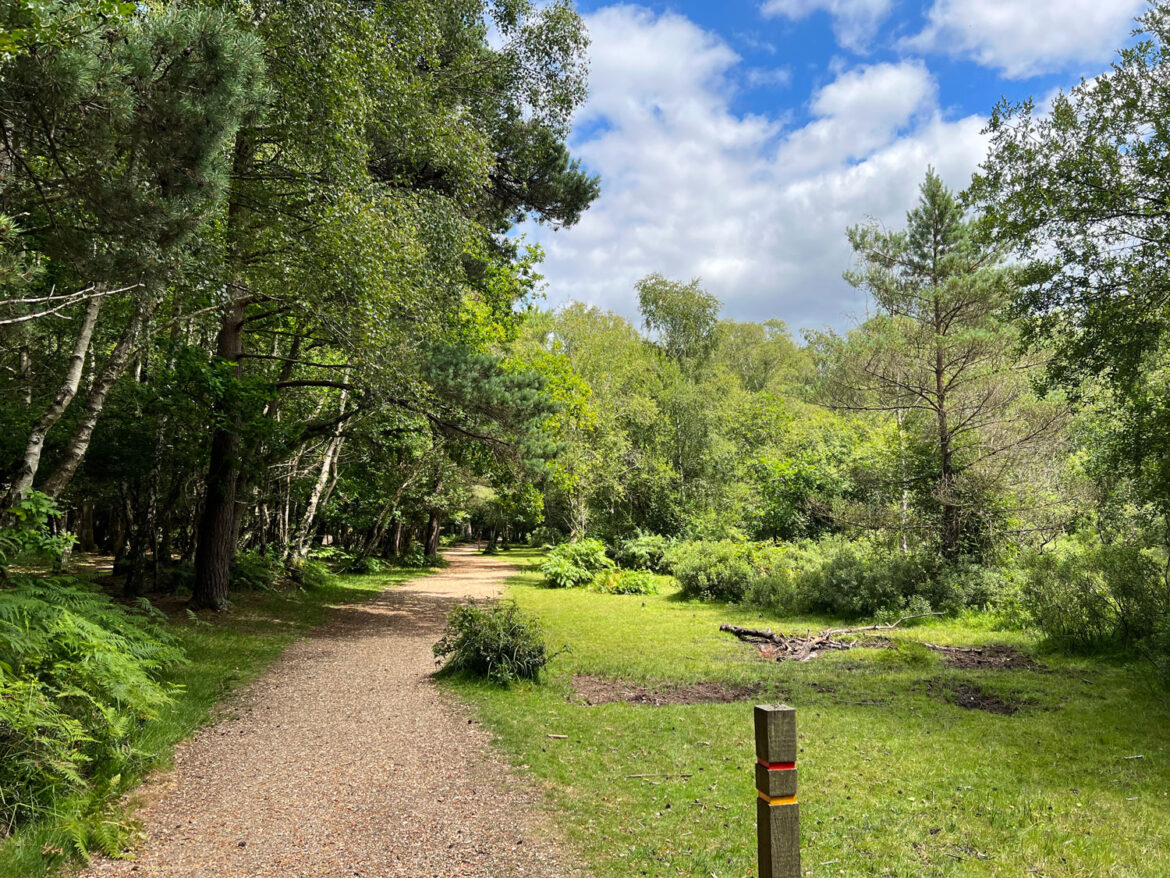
(737, 140)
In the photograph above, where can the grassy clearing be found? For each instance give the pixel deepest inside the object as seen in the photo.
(894, 779)
(225, 654)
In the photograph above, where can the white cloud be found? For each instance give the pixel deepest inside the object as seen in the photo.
(768, 77)
(1026, 39)
(691, 188)
(858, 112)
(854, 21)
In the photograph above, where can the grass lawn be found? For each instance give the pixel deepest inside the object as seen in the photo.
(895, 779)
(225, 654)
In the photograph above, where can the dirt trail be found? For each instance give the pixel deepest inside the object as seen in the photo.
(344, 760)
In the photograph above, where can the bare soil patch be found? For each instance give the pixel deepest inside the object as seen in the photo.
(991, 658)
(593, 690)
(971, 697)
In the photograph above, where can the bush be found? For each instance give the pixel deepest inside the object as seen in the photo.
(777, 591)
(1087, 596)
(416, 558)
(858, 579)
(30, 538)
(255, 571)
(644, 552)
(497, 642)
(78, 675)
(722, 570)
(365, 566)
(545, 536)
(308, 573)
(177, 578)
(571, 565)
(1156, 648)
(624, 582)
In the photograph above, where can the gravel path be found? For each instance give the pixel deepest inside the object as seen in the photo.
(344, 760)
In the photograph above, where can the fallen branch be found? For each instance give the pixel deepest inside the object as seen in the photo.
(801, 649)
(890, 626)
(798, 648)
(629, 776)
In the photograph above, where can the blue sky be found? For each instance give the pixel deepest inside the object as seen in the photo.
(737, 140)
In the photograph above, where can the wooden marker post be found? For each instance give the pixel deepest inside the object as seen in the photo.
(777, 814)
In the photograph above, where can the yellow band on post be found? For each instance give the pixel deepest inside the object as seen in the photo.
(785, 800)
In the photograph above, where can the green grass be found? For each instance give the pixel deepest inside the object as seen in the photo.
(225, 654)
(894, 779)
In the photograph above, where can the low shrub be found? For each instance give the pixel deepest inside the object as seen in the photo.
(177, 578)
(29, 538)
(365, 566)
(776, 590)
(545, 536)
(1087, 595)
(416, 558)
(497, 642)
(255, 571)
(334, 556)
(644, 552)
(309, 573)
(854, 579)
(571, 565)
(624, 582)
(722, 570)
(1156, 648)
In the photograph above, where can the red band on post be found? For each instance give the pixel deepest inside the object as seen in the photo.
(777, 766)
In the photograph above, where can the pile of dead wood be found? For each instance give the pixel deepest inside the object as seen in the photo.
(801, 648)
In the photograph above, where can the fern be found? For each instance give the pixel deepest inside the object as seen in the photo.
(78, 675)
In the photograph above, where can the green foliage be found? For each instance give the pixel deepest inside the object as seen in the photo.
(908, 654)
(544, 536)
(78, 675)
(1086, 595)
(644, 552)
(1157, 650)
(255, 571)
(682, 318)
(365, 565)
(570, 565)
(310, 573)
(29, 533)
(498, 642)
(624, 582)
(858, 579)
(721, 570)
(416, 558)
(846, 578)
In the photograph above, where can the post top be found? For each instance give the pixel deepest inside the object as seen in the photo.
(775, 733)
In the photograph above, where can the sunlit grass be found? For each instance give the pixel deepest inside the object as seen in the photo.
(894, 779)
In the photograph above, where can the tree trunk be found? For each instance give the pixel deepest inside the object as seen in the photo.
(95, 401)
(68, 389)
(434, 531)
(950, 510)
(328, 466)
(215, 546)
(85, 536)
